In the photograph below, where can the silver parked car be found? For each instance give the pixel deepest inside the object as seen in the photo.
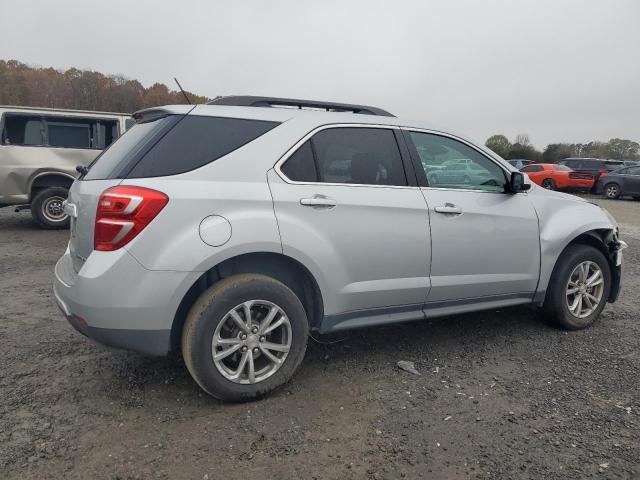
(232, 230)
(40, 149)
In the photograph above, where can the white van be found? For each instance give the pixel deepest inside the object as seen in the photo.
(40, 149)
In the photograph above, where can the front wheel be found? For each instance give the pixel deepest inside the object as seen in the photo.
(244, 336)
(46, 208)
(579, 288)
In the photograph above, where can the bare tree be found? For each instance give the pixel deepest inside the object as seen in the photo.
(523, 139)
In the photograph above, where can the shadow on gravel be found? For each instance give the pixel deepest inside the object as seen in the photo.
(17, 222)
(128, 376)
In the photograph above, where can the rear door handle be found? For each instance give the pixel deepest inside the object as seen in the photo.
(318, 201)
(449, 208)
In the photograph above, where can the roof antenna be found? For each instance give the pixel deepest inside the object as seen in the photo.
(182, 90)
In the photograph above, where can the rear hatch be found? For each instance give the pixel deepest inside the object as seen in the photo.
(108, 170)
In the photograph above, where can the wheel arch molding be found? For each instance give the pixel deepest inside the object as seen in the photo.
(283, 268)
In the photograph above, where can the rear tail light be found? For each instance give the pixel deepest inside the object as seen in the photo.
(123, 212)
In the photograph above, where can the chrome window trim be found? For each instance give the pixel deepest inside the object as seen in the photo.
(439, 133)
(298, 144)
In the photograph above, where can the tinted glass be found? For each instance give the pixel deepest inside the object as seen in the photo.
(22, 130)
(591, 164)
(197, 141)
(449, 163)
(633, 171)
(562, 168)
(366, 156)
(533, 168)
(68, 135)
(117, 159)
(300, 166)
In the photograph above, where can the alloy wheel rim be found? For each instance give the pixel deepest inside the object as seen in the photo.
(52, 209)
(612, 191)
(584, 289)
(548, 184)
(251, 342)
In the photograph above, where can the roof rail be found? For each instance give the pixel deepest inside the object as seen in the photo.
(254, 101)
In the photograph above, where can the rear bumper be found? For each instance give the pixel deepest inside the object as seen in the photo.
(117, 302)
(580, 184)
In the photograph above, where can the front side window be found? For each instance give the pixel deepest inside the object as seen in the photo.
(448, 163)
(353, 155)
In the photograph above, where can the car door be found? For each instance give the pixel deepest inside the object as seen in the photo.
(346, 209)
(485, 242)
(632, 181)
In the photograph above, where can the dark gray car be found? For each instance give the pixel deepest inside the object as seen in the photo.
(595, 166)
(620, 183)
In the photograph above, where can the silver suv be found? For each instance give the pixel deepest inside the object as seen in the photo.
(232, 230)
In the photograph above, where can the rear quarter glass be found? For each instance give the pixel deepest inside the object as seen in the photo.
(196, 141)
(124, 153)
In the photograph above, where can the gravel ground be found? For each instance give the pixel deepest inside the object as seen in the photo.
(500, 395)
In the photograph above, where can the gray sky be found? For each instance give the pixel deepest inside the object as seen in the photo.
(559, 70)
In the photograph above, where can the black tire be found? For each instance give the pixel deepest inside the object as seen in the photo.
(46, 208)
(211, 309)
(548, 183)
(555, 307)
(612, 191)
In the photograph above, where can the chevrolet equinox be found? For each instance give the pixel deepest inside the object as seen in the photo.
(232, 230)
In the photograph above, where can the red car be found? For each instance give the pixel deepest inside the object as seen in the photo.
(558, 177)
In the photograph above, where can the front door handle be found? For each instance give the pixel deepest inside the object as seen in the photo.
(318, 201)
(449, 208)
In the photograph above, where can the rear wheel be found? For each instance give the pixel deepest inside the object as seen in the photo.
(549, 184)
(46, 208)
(245, 336)
(579, 288)
(612, 190)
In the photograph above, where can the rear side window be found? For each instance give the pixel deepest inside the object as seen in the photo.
(533, 168)
(301, 166)
(353, 155)
(591, 164)
(58, 131)
(196, 141)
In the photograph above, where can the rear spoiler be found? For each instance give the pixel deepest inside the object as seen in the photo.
(156, 113)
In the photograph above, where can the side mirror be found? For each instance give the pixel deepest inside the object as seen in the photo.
(517, 183)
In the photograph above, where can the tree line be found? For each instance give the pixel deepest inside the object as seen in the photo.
(23, 85)
(616, 148)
